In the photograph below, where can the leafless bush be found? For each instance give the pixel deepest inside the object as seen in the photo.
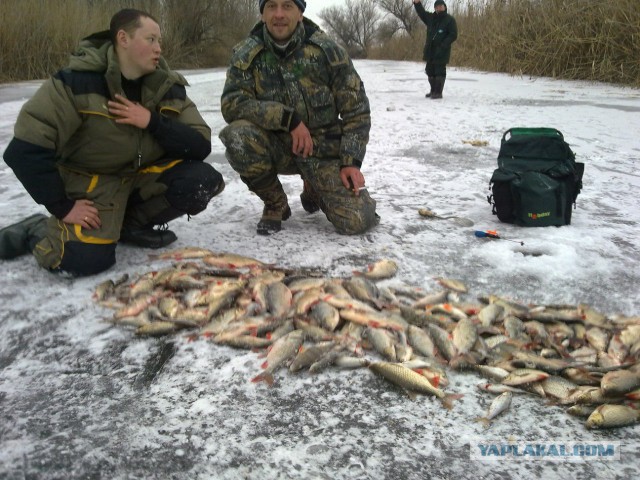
(576, 39)
(37, 36)
(355, 25)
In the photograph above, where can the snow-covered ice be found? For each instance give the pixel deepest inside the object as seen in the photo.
(80, 398)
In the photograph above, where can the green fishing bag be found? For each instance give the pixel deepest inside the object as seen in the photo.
(537, 180)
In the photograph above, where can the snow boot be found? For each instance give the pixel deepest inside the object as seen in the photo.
(276, 206)
(438, 87)
(273, 215)
(22, 237)
(148, 237)
(155, 233)
(431, 84)
(309, 198)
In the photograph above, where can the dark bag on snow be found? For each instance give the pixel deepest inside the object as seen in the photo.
(537, 180)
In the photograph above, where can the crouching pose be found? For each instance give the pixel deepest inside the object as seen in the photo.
(113, 148)
(295, 105)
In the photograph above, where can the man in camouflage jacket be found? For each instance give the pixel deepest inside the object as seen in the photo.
(111, 146)
(295, 105)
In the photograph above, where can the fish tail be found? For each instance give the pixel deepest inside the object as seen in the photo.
(447, 400)
(263, 377)
(484, 421)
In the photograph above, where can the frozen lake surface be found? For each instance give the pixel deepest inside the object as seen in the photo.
(80, 398)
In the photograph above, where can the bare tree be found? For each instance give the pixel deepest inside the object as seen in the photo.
(198, 30)
(355, 25)
(336, 24)
(400, 16)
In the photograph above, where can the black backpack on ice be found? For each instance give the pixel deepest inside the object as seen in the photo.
(537, 180)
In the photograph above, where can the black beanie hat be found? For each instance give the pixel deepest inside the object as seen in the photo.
(439, 2)
(300, 3)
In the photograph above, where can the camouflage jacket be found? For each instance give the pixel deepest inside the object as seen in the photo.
(66, 124)
(313, 80)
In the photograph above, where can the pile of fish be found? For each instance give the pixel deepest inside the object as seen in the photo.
(571, 355)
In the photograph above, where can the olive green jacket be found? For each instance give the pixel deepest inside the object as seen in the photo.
(312, 81)
(67, 124)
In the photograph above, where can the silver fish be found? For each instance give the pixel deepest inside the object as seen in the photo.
(282, 350)
(279, 299)
(325, 315)
(613, 416)
(620, 382)
(380, 270)
(451, 284)
(308, 356)
(523, 376)
(421, 341)
(464, 336)
(490, 313)
(443, 341)
(499, 405)
(406, 378)
(381, 342)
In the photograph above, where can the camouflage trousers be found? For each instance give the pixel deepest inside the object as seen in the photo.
(185, 187)
(260, 155)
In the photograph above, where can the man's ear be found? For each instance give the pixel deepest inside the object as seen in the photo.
(122, 38)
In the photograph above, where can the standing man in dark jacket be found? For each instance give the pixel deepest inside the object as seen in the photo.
(442, 31)
(295, 105)
(111, 146)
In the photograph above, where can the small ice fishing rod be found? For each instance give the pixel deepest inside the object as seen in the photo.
(494, 234)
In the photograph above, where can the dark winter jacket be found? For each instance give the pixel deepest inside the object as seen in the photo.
(67, 124)
(312, 81)
(442, 31)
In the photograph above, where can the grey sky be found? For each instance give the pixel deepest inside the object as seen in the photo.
(314, 7)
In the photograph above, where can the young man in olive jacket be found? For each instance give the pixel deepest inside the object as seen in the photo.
(111, 146)
(295, 105)
(442, 31)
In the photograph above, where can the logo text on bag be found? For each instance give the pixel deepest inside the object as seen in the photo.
(535, 216)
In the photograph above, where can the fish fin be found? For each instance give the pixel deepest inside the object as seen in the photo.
(265, 364)
(412, 395)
